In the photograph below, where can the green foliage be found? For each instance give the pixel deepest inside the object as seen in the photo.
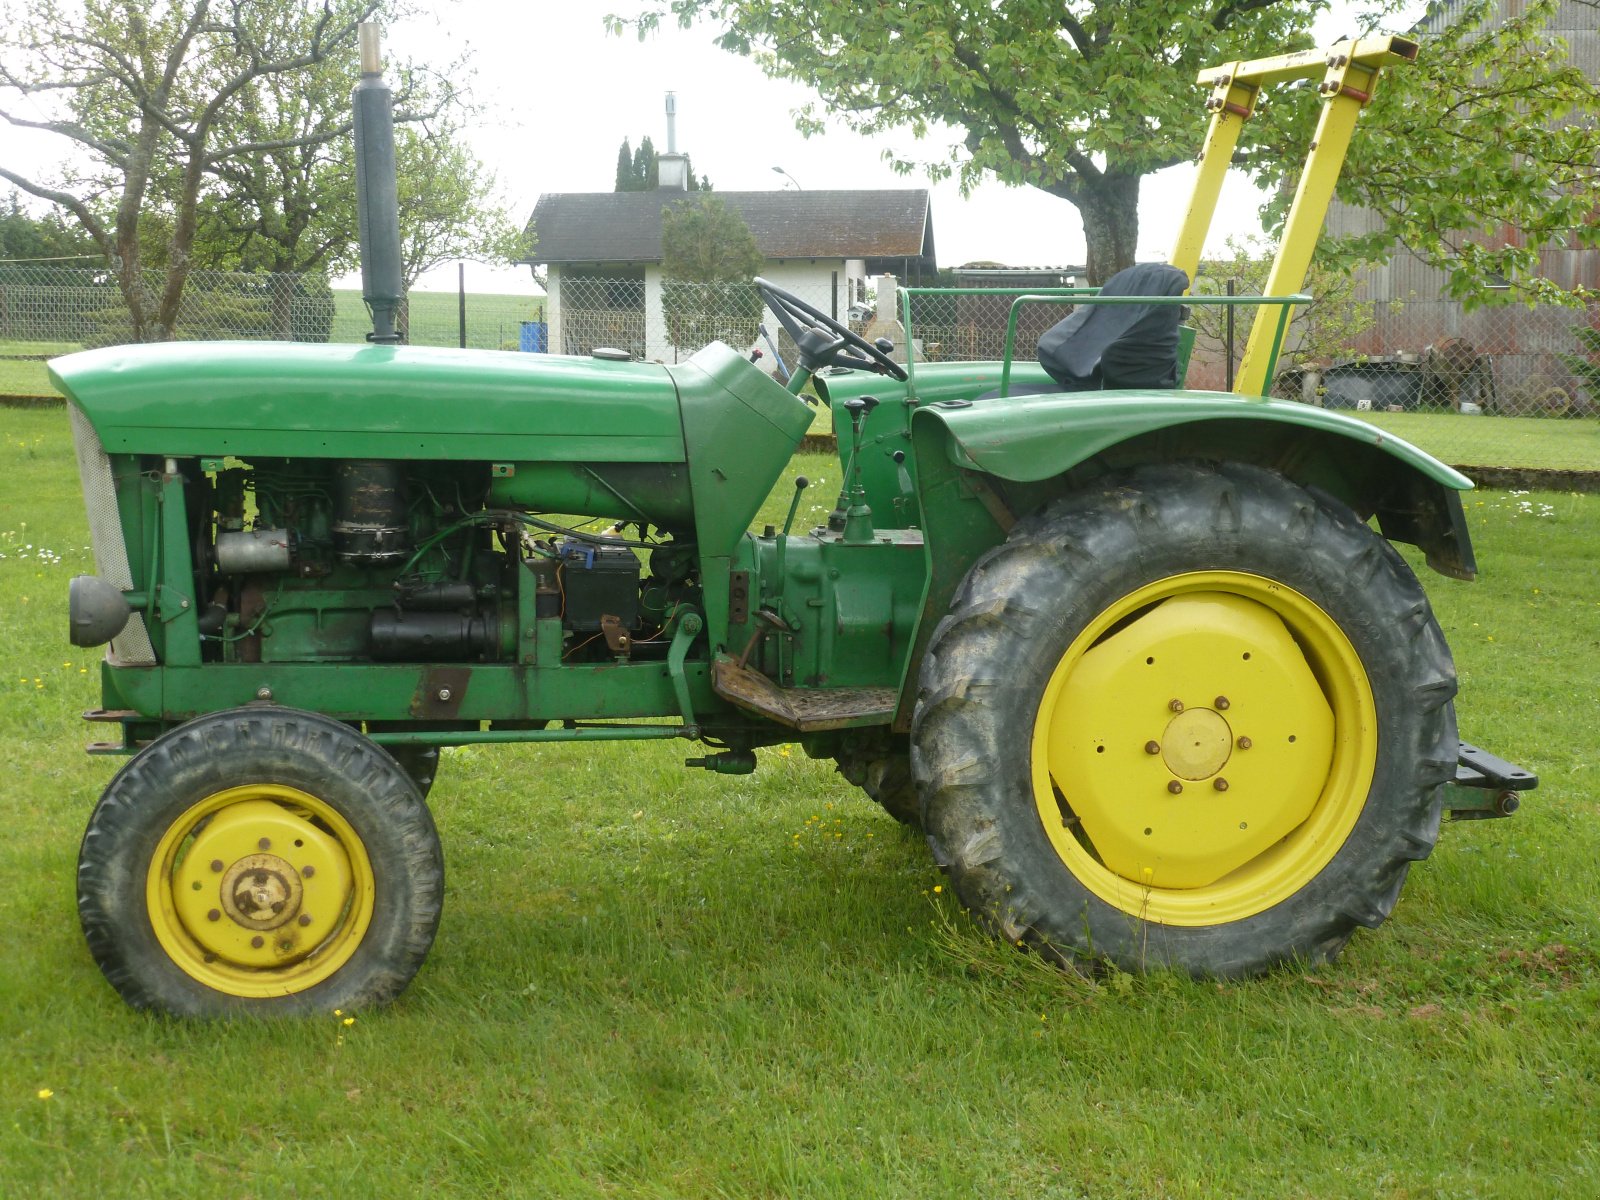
(708, 256)
(625, 179)
(1322, 331)
(25, 236)
(219, 136)
(1478, 157)
(1080, 101)
(1585, 364)
(1495, 128)
(639, 171)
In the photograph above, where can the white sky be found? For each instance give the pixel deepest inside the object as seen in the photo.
(560, 95)
(565, 94)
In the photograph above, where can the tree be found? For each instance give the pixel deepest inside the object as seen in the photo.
(26, 237)
(188, 114)
(708, 256)
(640, 171)
(1479, 156)
(1084, 99)
(624, 168)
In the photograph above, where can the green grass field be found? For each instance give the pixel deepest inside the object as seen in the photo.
(651, 982)
(1529, 442)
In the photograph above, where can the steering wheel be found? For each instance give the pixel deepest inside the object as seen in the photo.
(822, 341)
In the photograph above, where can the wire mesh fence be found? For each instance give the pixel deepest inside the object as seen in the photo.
(1504, 387)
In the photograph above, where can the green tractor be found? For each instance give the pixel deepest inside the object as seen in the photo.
(1135, 659)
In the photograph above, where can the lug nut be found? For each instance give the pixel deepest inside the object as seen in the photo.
(1220, 784)
(265, 843)
(1175, 787)
(216, 864)
(1245, 743)
(1220, 703)
(214, 915)
(1152, 747)
(257, 942)
(308, 872)
(264, 693)
(305, 919)
(1175, 705)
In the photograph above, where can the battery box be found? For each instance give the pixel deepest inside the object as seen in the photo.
(596, 580)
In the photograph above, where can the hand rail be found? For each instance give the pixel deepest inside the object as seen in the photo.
(1075, 296)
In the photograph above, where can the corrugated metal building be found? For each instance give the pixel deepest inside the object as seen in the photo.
(1521, 345)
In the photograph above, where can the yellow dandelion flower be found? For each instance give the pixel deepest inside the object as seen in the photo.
(349, 1020)
(937, 888)
(45, 1093)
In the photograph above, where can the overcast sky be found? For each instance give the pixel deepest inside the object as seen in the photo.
(560, 95)
(565, 94)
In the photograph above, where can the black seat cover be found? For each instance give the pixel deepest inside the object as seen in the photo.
(1119, 345)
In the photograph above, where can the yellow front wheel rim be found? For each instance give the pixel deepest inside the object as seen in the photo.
(260, 890)
(1204, 748)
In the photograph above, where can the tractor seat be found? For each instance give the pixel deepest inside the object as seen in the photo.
(1104, 346)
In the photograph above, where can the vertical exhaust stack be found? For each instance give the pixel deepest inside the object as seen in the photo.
(377, 191)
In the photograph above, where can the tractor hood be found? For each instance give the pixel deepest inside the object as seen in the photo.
(286, 399)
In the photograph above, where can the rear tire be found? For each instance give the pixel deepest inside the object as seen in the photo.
(1195, 718)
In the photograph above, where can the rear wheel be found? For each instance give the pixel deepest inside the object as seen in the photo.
(1196, 718)
(260, 860)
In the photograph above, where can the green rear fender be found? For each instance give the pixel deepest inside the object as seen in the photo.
(1016, 454)
(981, 466)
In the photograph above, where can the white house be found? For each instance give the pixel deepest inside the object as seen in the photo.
(602, 253)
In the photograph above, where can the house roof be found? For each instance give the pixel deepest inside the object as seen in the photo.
(625, 227)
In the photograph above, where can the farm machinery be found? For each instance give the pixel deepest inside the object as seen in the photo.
(1135, 659)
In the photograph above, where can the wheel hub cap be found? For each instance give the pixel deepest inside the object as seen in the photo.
(1196, 744)
(261, 891)
(260, 885)
(1169, 791)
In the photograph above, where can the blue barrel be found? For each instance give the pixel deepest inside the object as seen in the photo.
(533, 337)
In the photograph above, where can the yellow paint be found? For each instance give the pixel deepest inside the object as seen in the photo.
(1215, 736)
(261, 863)
(1350, 72)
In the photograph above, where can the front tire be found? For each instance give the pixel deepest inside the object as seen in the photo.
(1196, 717)
(264, 861)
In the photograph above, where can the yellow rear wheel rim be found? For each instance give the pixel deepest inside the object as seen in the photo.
(1204, 748)
(260, 890)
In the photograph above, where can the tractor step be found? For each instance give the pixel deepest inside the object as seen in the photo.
(810, 710)
(1486, 786)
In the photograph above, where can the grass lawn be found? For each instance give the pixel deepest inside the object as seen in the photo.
(1535, 442)
(494, 322)
(656, 982)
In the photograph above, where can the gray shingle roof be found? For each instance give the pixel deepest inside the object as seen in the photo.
(596, 227)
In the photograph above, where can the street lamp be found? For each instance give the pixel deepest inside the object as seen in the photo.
(789, 177)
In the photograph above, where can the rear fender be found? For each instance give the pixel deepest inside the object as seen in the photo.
(982, 466)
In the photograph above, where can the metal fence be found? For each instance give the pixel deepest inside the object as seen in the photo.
(1514, 388)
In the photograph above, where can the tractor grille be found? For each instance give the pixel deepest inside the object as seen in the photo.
(132, 646)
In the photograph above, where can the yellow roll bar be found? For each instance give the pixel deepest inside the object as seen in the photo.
(1349, 71)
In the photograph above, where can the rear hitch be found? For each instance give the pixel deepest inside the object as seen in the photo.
(1486, 786)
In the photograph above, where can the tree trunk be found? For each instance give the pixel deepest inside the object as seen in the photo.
(1109, 206)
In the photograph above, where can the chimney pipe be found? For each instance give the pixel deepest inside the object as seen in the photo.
(377, 191)
(672, 123)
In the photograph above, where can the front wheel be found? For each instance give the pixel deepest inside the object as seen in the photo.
(261, 860)
(1197, 717)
